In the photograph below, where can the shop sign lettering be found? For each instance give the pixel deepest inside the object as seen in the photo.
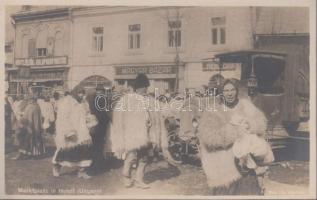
(62, 60)
(125, 70)
(214, 66)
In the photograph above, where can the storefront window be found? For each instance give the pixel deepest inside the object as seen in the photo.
(269, 74)
(134, 39)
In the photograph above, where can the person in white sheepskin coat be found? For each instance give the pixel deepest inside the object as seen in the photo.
(73, 141)
(232, 144)
(135, 130)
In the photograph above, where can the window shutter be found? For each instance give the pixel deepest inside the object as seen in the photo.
(178, 41)
(171, 38)
(222, 35)
(130, 41)
(138, 40)
(214, 36)
(31, 49)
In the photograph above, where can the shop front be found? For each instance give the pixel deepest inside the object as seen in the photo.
(45, 72)
(162, 77)
(262, 77)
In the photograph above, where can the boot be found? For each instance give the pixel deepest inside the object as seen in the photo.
(82, 173)
(56, 170)
(139, 175)
(127, 181)
(20, 156)
(127, 166)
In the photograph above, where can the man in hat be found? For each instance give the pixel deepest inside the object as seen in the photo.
(130, 133)
(97, 105)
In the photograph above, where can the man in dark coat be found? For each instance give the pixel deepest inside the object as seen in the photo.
(97, 105)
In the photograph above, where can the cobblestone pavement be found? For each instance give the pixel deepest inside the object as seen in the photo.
(35, 177)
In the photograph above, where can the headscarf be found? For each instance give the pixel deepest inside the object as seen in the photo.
(233, 81)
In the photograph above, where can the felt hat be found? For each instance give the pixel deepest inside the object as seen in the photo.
(141, 81)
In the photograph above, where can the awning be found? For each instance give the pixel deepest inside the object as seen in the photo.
(46, 68)
(253, 53)
(36, 80)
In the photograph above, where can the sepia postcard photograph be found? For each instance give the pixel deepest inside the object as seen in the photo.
(158, 99)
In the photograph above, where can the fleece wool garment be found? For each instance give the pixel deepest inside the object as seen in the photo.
(72, 134)
(217, 133)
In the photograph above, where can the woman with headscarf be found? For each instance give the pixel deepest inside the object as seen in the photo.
(232, 143)
(73, 141)
(29, 135)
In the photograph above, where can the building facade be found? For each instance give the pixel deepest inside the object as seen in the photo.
(170, 44)
(42, 48)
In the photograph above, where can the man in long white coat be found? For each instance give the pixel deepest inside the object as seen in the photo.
(131, 134)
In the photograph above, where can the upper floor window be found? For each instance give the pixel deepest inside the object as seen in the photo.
(218, 30)
(41, 45)
(8, 48)
(31, 48)
(134, 38)
(41, 52)
(97, 39)
(174, 33)
(59, 45)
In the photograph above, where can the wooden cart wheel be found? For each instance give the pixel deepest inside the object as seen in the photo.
(173, 153)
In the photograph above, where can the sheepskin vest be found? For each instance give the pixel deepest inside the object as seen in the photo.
(217, 135)
(135, 123)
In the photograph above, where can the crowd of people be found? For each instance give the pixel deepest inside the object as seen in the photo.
(233, 149)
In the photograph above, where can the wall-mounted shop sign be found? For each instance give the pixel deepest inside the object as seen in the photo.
(228, 70)
(214, 66)
(47, 61)
(159, 69)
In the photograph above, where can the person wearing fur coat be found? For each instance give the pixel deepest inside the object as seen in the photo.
(232, 144)
(134, 132)
(73, 141)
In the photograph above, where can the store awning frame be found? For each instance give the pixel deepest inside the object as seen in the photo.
(252, 53)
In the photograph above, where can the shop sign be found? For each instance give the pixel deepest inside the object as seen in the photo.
(227, 70)
(126, 70)
(214, 66)
(61, 60)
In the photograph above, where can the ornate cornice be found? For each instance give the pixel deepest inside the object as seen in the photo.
(44, 14)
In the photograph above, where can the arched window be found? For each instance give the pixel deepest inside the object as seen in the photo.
(41, 40)
(58, 48)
